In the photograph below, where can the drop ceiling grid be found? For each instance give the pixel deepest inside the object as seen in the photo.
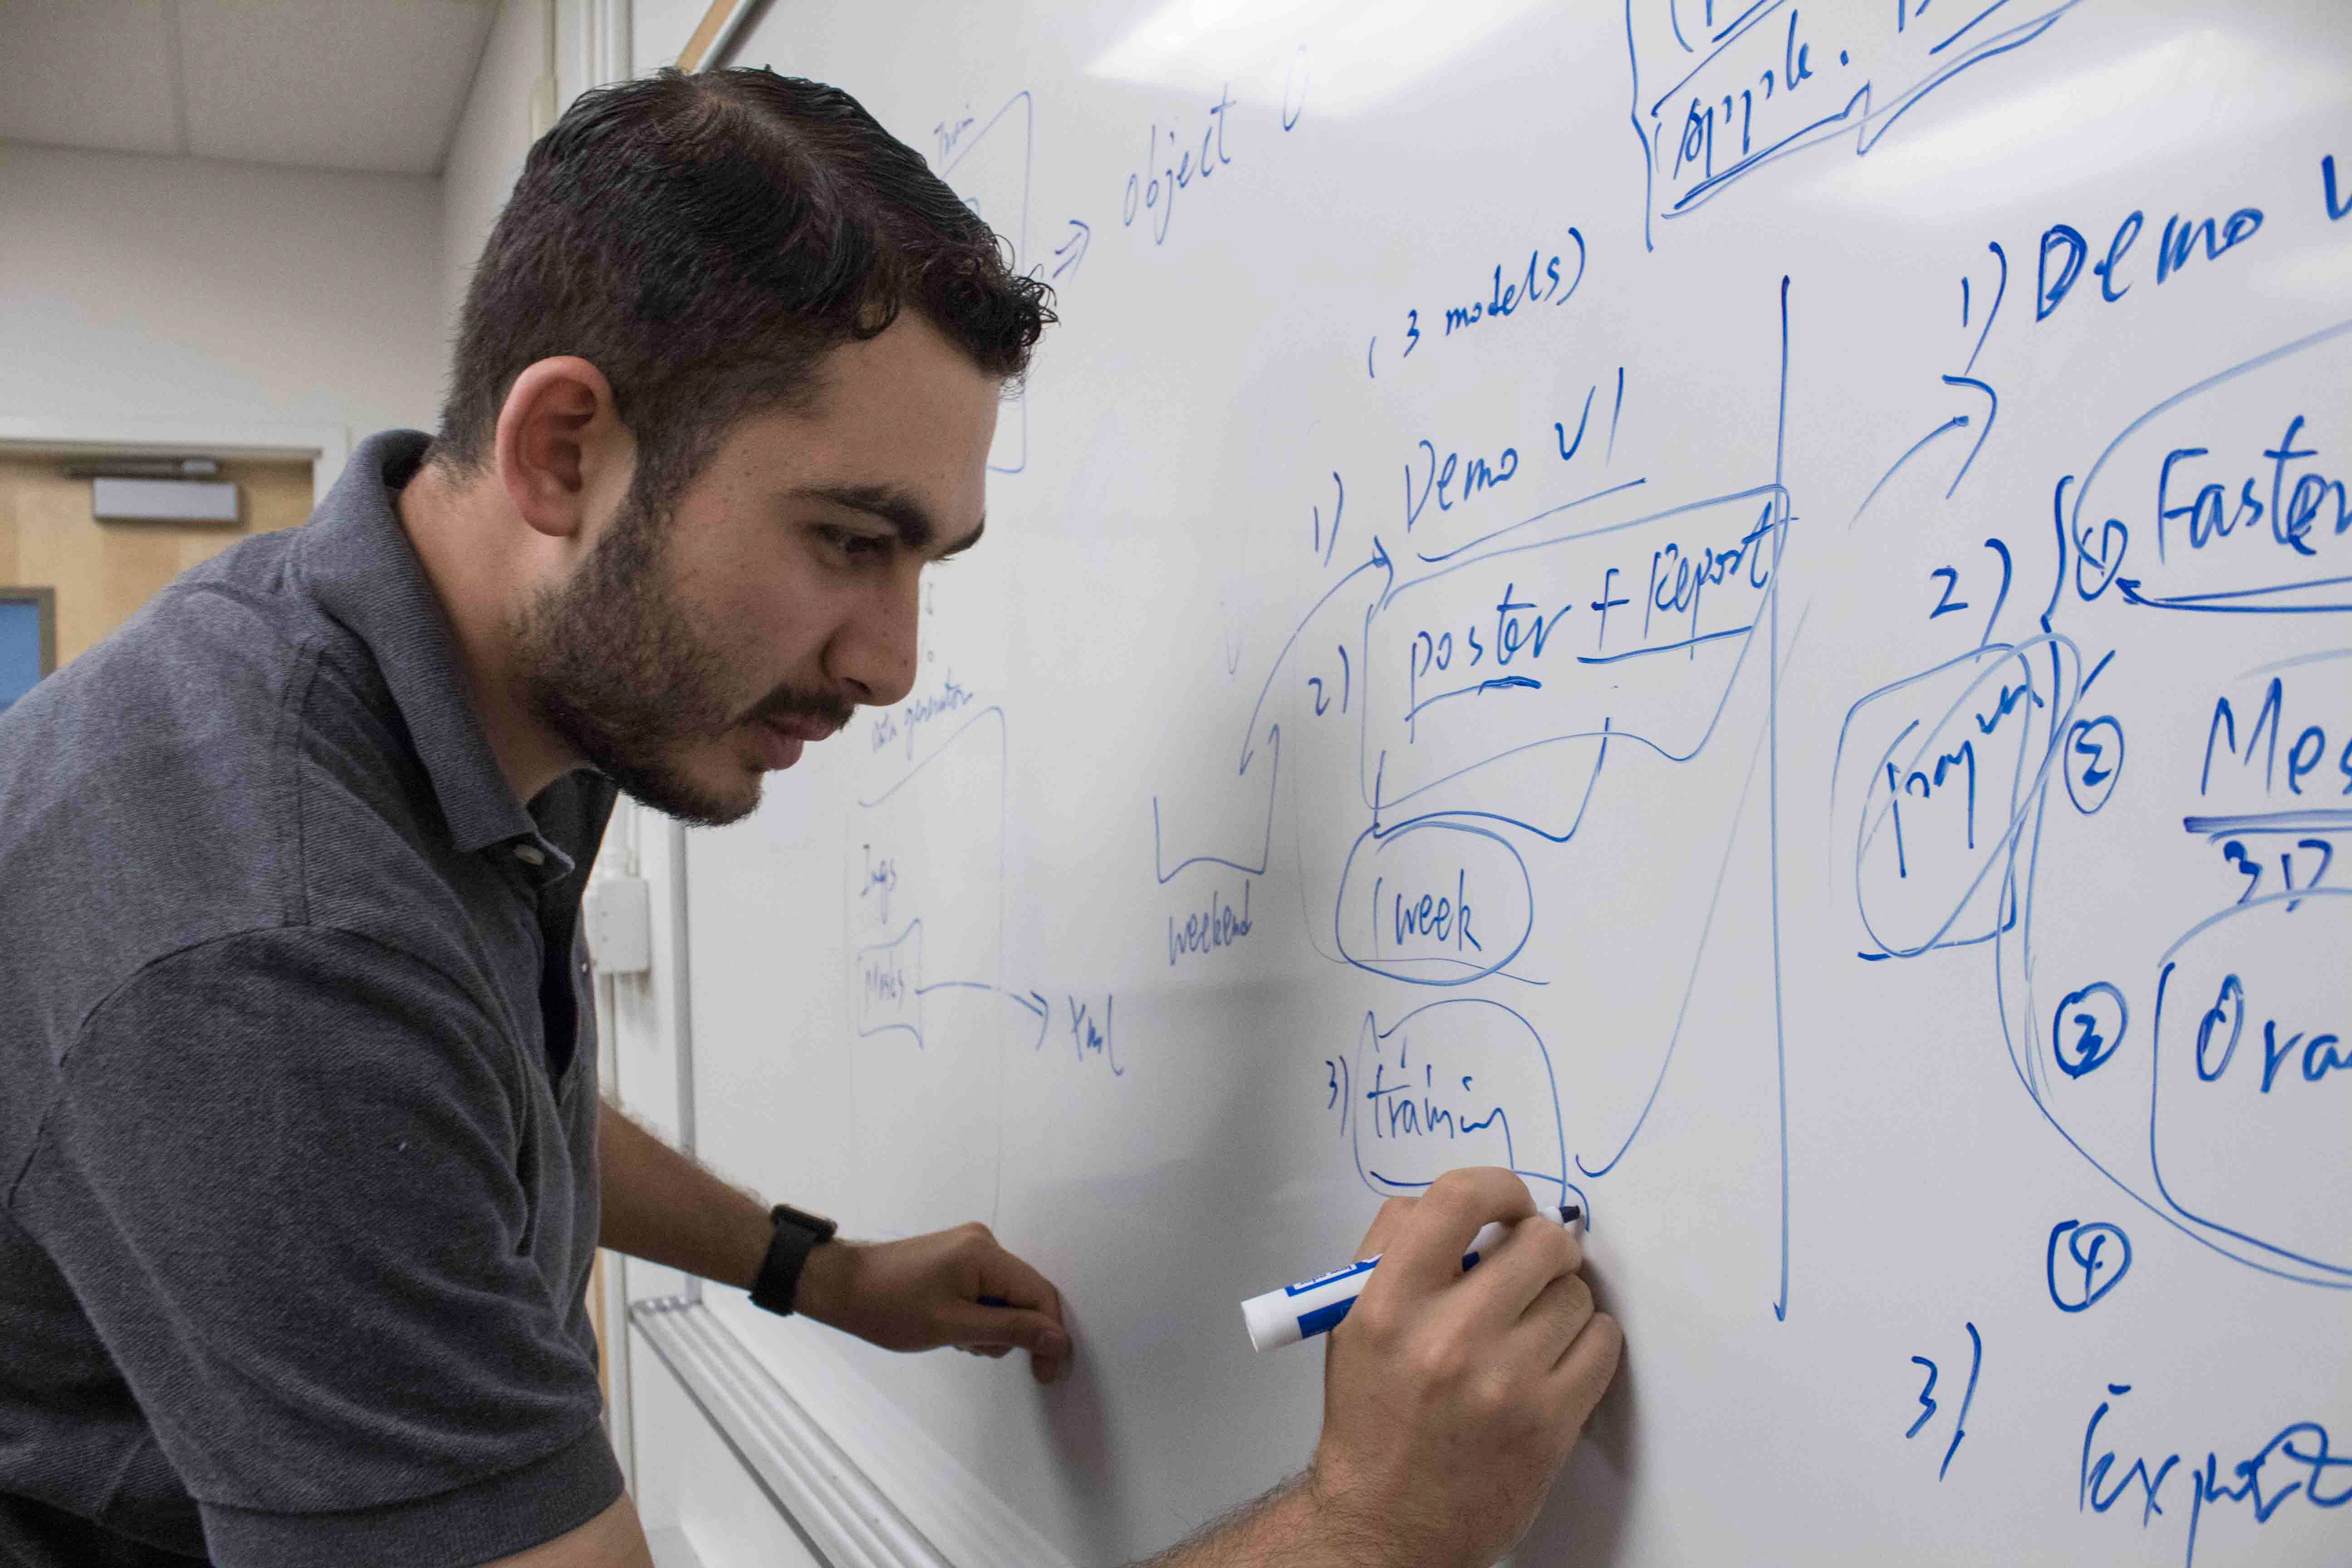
(336, 84)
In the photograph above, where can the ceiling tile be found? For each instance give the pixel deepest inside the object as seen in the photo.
(87, 73)
(339, 84)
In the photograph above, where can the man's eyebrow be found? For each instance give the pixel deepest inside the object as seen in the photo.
(901, 511)
(894, 507)
(967, 542)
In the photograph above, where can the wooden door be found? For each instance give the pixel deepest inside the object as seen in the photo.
(102, 572)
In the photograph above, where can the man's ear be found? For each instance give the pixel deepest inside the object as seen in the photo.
(558, 431)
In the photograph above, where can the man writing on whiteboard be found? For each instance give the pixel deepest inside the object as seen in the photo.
(303, 1164)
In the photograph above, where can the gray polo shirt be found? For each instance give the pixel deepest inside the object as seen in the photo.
(298, 1094)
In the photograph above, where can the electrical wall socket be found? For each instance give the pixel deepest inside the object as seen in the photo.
(618, 913)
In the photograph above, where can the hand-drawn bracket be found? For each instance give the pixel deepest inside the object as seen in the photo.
(989, 166)
(923, 862)
(1773, 80)
(1610, 630)
(1464, 1081)
(2205, 1081)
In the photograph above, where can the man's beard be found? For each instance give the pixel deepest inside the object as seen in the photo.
(610, 662)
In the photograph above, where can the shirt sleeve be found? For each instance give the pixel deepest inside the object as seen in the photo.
(282, 1178)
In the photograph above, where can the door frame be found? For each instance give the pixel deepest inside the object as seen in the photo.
(326, 448)
(44, 601)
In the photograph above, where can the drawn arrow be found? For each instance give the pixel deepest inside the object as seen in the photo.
(1074, 247)
(1036, 1005)
(1380, 561)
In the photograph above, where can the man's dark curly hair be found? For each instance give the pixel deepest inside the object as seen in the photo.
(704, 241)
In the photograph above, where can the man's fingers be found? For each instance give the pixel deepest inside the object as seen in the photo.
(993, 1330)
(1426, 1254)
(1535, 1254)
(1014, 1328)
(1012, 1307)
(1554, 1319)
(1583, 1373)
(1005, 1277)
(1385, 1225)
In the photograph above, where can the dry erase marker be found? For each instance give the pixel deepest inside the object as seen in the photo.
(1314, 1306)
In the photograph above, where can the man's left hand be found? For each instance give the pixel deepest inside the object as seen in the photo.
(929, 1290)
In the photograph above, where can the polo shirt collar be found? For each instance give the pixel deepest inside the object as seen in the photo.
(362, 569)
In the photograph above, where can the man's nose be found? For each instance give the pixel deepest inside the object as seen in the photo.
(874, 653)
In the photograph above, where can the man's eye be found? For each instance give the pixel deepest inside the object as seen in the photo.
(852, 543)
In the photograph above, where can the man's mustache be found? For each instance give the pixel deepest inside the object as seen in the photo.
(829, 708)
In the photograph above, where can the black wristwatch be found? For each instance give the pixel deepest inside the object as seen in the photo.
(798, 1234)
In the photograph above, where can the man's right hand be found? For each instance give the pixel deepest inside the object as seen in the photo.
(1450, 1403)
(1451, 1400)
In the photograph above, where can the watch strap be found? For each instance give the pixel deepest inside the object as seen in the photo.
(798, 1234)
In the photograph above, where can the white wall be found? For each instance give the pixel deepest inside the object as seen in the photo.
(659, 29)
(494, 133)
(184, 290)
(493, 136)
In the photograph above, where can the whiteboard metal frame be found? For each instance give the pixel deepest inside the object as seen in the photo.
(831, 1503)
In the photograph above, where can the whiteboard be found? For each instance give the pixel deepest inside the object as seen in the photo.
(1743, 610)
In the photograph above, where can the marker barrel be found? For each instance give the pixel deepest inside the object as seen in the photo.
(1315, 1306)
